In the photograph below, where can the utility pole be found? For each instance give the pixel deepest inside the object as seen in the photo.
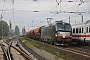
(75, 22)
(69, 19)
(82, 18)
(2, 26)
(32, 24)
(10, 28)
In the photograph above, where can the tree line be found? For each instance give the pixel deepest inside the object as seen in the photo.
(5, 30)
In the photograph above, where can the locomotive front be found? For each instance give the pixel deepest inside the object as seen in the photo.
(63, 33)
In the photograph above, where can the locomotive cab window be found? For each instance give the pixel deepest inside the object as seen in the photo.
(67, 27)
(62, 26)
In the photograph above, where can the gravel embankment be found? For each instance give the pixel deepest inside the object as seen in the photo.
(41, 54)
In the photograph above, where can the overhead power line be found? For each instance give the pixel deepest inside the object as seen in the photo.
(81, 1)
(58, 2)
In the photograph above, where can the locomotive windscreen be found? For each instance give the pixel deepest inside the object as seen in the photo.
(63, 26)
(60, 26)
(67, 27)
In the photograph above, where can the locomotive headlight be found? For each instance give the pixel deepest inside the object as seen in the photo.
(70, 36)
(56, 34)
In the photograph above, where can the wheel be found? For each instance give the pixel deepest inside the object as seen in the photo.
(89, 43)
(85, 43)
(52, 43)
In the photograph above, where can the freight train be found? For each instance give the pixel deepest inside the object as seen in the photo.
(81, 33)
(58, 33)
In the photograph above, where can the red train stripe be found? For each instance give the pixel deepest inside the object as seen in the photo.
(63, 37)
(60, 36)
(67, 36)
(80, 35)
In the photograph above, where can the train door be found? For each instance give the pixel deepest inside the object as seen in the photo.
(87, 36)
(81, 33)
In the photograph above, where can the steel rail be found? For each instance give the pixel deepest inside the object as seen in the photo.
(66, 51)
(5, 53)
(22, 53)
(23, 50)
(8, 51)
(19, 50)
(79, 51)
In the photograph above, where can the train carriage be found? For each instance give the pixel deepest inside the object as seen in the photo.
(37, 33)
(32, 35)
(28, 34)
(58, 33)
(81, 33)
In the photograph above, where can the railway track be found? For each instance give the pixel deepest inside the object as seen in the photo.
(75, 52)
(4, 54)
(80, 50)
(12, 50)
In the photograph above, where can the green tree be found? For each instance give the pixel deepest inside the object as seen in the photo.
(4, 28)
(17, 32)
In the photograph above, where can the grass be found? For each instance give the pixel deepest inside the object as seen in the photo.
(31, 44)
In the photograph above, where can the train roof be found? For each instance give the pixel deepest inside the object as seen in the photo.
(37, 29)
(51, 24)
(60, 22)
(86, 22)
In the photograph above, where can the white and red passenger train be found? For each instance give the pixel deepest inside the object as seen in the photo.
(81, 33)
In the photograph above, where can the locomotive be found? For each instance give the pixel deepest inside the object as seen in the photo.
(58, 33)
(81, 33)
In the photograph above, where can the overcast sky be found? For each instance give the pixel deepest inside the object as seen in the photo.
(24, 16)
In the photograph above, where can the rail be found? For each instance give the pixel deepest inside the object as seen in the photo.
(20, 50)
(77, 54)
(4, 51)
(8, 51)
(19, 45)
